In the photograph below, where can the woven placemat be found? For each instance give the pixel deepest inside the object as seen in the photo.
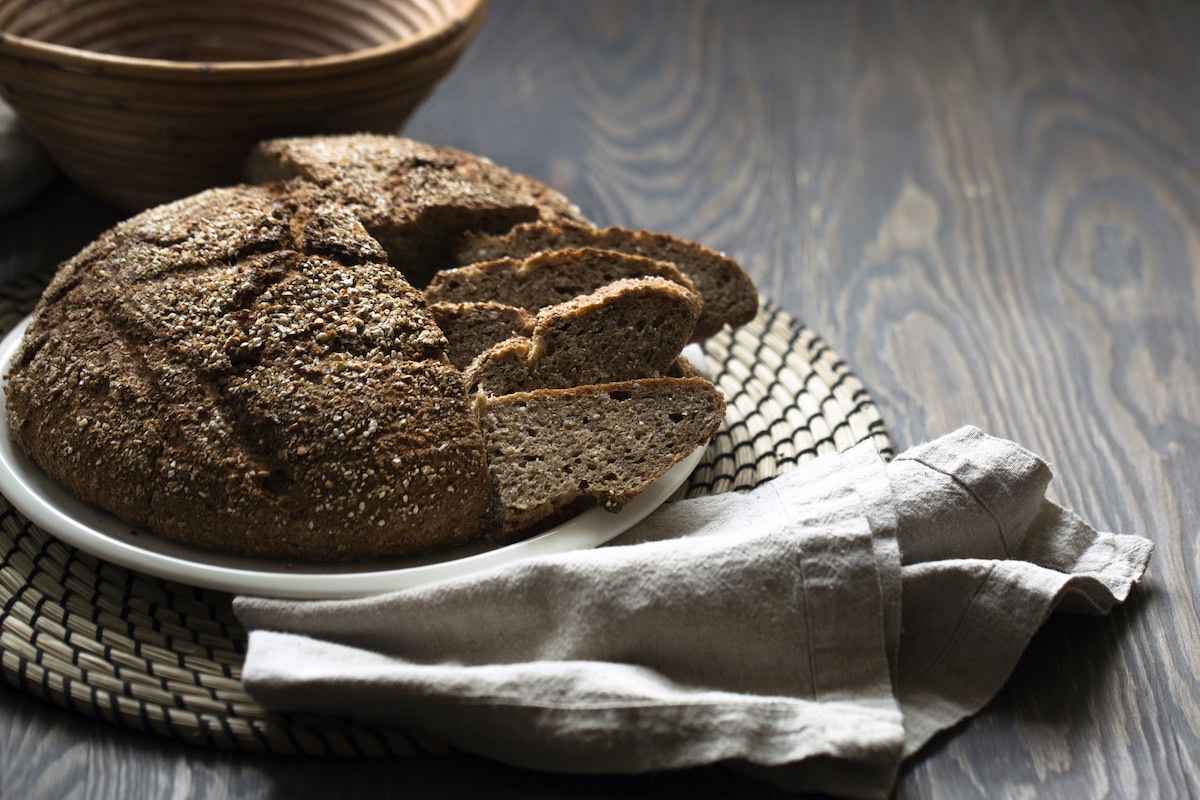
(163, 657)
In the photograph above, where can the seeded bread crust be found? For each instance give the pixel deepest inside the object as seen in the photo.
(244, 372)
(546, 279)
(632, 328)
(728, 293)
(551, 449)
(414, 198)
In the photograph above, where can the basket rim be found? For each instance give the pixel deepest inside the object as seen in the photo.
(468, 17)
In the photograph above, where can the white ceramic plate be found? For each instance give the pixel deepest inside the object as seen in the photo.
(56, 511)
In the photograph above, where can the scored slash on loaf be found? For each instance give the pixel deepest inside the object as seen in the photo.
(255, 368)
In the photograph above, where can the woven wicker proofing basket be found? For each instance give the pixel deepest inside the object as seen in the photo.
(145, 101)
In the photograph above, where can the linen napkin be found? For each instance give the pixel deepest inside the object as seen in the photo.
(813, 632)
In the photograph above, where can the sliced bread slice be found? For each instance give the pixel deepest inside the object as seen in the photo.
(472, 328)
(552, 449)
(545, 279)
(728, 293)
(632, 328)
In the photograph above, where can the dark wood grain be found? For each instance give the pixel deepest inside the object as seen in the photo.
(991, 210)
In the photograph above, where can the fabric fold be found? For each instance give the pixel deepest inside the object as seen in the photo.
(776, 630)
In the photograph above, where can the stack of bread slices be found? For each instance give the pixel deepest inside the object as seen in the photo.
(374, 346)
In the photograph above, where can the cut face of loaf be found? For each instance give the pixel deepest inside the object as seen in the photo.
(472, 328)
(550, 449)
(632, 328)
(413, 197)
(546, 279)
(728, 294)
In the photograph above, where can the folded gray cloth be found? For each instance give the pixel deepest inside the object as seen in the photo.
(813, 632)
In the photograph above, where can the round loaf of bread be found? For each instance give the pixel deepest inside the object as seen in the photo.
(251, 369)
(243, 370)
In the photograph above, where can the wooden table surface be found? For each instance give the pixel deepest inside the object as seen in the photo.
(991, 210)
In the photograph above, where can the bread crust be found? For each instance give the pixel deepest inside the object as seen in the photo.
(221, 379)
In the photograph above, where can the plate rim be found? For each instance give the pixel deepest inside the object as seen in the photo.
(63, 517)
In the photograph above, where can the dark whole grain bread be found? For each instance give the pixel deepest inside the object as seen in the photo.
(472, 328)
(728, 294)
(552, 449)
(683, 368)
(247, 370)
(632, 328)
(414, 198)
(545, 279)
(243, 371)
